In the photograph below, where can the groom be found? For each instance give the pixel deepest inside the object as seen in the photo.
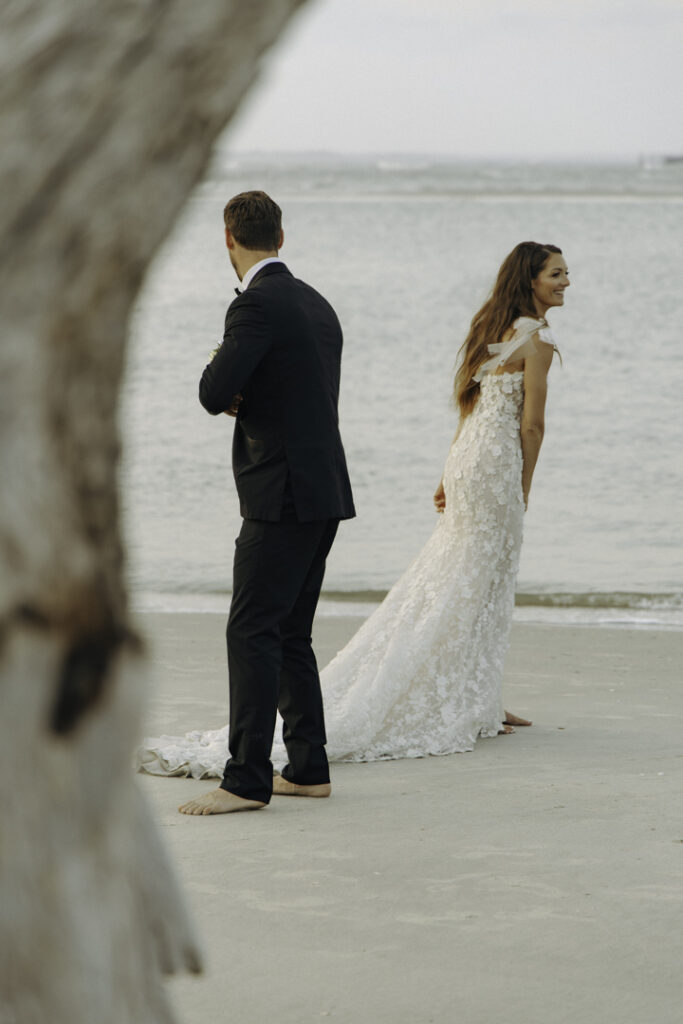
(277, 372)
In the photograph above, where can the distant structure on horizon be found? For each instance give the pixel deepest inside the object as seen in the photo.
(652, 161)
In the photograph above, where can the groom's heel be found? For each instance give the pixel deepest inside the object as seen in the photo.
(282, 787)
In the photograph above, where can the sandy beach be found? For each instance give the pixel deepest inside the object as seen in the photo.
(536, 880)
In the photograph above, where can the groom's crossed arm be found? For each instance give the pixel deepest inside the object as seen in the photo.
(246, 340)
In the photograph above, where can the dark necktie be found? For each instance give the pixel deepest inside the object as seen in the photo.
(238, 291)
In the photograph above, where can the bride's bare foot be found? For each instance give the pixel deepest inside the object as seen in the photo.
(507, 730)
(511, 719)
(219, 801)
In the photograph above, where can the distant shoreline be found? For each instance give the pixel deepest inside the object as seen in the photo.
(620, 610)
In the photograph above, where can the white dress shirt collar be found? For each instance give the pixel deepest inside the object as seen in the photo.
(253, 271)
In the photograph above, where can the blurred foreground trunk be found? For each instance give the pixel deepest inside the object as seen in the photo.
(107, 116)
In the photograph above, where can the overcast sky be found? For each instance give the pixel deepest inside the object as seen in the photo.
(558, 78)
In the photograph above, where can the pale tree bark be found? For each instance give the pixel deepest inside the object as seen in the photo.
(108, 111)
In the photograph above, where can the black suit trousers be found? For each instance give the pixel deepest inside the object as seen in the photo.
(278, 573)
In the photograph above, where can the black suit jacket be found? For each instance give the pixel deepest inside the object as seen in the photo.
(282, 352)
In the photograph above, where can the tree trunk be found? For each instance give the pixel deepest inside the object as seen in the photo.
(107, 116)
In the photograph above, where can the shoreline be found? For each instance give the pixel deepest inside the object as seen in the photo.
(650, 612)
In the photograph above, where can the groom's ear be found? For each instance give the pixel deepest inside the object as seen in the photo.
(282, 239)
(229, 240)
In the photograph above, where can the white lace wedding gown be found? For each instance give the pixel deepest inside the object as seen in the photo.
(423, 674)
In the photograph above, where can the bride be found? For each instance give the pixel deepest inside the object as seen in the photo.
(423, 674)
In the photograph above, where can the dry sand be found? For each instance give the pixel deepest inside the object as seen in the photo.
(536, 880)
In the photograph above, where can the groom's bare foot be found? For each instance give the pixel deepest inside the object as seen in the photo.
(282, 787)
(511, 719)
(219, 801)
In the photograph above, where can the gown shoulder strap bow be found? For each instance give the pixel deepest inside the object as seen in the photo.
(520, 344)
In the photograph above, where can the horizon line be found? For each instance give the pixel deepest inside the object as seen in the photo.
(225, 149)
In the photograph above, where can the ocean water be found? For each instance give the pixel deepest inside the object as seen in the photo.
(406, 250)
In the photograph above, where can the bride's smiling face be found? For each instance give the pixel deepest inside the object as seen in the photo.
(548, 288)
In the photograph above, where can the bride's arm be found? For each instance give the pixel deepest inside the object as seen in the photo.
(536, 368)
(439, 494)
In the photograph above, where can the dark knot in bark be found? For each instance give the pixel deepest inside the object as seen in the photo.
(88, 664)
(85, 672)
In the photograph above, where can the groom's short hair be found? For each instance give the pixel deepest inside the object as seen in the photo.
(254, 221)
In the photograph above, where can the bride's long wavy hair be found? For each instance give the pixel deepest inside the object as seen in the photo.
(511, 297)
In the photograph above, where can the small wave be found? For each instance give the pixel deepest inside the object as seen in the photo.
(605, 618)
(636, 600)
(613, 609)
(624, 599)
(616, 610)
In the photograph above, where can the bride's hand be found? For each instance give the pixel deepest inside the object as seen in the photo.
(234, 405)
(439, 498)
